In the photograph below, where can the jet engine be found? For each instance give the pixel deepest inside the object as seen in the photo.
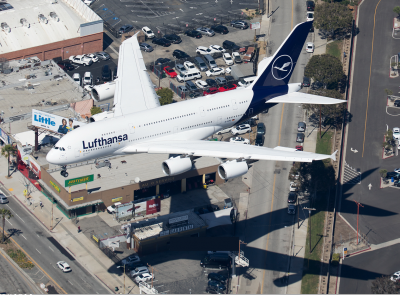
(232, 169)
(104, 91)
(176, 165)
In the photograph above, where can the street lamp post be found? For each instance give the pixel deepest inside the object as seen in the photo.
(124, 276)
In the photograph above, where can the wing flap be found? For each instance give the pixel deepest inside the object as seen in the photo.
(303, 98)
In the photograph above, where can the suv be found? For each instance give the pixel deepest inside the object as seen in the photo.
(310, 5)
(228, 45)
(301, 127)
(260, 128)
(162, 42)
(240, 24)
(106, 73)
(259, 140)
(240, 129)
(292, 197)
(220, 29)
(191, 86)
(178, 54)
(147, 31)
(173, 38)
(291, 209)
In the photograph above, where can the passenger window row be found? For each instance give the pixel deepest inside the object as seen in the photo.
(218, 108)
(156, 122)
(196, 125)
(228, 118)
(113, 132)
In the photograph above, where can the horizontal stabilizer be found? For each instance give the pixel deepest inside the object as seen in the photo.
(303, 98)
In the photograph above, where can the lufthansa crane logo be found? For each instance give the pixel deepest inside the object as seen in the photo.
(282, 67)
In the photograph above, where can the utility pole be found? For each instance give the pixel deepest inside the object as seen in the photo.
(51, 226)
(309, 220)
(358, 211)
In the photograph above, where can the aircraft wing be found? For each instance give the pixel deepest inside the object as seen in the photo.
(303, 98)
(226, 150)
(134, 90)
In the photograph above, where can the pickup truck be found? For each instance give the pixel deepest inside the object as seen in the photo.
(249, 54)
(81, 60)
(111, 209)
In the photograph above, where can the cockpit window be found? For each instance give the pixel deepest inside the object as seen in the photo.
(55, 147)
(59, 148)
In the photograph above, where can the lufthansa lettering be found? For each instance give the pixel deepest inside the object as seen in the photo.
(105, 141)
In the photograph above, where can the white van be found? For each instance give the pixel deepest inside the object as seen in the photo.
(247, 81)
(190, 75)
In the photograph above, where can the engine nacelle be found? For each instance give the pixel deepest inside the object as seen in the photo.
(176, 165)
(104, 91)
(232, 169)
(102, 116)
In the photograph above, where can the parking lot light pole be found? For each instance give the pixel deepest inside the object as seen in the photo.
(358, 211)
(124, 275)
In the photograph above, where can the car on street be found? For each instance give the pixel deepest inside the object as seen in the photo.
(240, 24)
(229, 45)
(144, 277)
(300, 138)
(139, 270)
(190, 66)
(212, 82)
(161, 61)
(292, 186)
(259, 140)
(299, 148)
(87, 78)
(396, 103)
(77, 78)
(180, 68)
(291, 209)
(179, 54)
(201, 84)
(395, 276)
(227, 87)
(217, 277)
(125, 29)
(161, 41)
(241, 129)
(310, 16)
(217, 284)
(261, 128)
(306, 81)
(396, 133)
(215, 72)
(66, 66)
(206, 31)
(194, 34)
(103, 55)
(173, 38)
(239, 140)
(228, 59)
(3, 199)
(220, 29)
(310, 47)
(292, 197)
(64, 266)
(216, 48)
(301, 127)
(170, 72)
(210, 91)
(148, 32)
(204, 50)
(130, 260)
(310, 5)
(93, 57)
(145, 47)
(221, 80)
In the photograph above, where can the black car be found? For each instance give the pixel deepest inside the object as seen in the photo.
(125, 29)
(229, 78)
(106, 73)
(392, 174)
(300, 138)
(66, 66)
(193, 33)
(179, 54)
(397, 103)
(292, 197)
(228, 45)
(195, 95)
(259, 140)
(161, 61)
(173, 38)
(217, 277)
(220, 29)
(240, 24)
(211, 83)
(260, 128)
(310, 5)
(216, 284)
(162, 42)
(306, 81)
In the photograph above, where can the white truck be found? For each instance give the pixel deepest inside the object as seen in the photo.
(81, 60)
(112, 208)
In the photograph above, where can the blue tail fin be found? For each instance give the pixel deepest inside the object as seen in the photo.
(282, 64)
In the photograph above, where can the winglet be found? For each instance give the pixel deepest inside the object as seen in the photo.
(333, 156)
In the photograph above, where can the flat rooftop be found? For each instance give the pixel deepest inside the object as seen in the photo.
(21, 37)
(145, 166)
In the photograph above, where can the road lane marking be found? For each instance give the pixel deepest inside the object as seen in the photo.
(51, 249)
(23, 236)
(369, 80)
(70, 282)
(38, 251)
(9, 222)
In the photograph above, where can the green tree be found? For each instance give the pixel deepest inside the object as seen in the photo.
(325, 68)
(397, 11)
(334, 18)
(7, 151)
(383, 172)
(384, 285)
(95, 110)
(166, 96)
(5, 213)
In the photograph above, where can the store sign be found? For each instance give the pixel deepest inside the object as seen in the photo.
(116, 199)
(77, 199)
(153, 206)
(178, 219)
(54, 122)
(255, 25)
(176, 230)
(79, 180)
(55, 186)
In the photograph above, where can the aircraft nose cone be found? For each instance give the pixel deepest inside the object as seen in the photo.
(51, 157)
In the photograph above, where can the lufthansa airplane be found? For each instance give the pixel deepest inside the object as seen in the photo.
(138, 124)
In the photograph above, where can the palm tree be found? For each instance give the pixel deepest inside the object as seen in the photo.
(7, 151)
(5, 213)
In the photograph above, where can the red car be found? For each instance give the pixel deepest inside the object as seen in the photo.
(210, 91)
(299, 148)
(227, 87)
(170, 72)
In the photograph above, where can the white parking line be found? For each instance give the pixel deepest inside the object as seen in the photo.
(38, 251)
(23, 236)
(70, 282)
(51, 249)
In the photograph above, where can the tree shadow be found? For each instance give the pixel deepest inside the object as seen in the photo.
(13, 231)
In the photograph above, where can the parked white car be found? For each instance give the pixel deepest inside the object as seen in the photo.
(239, 140)
(215, 72)
(87, 78)
(144, 277)
(189, 66)
(201, 84)
(77, 78)
(240, 129)
(310, 47)
(292, 186)
(204, 50)
(92, 56)
(228, 70)
(64, 266)
(81, 60)
(138, 271)
(396, 133)
(228, 59)
(310, 16)
(226, 130)
(112, 208)
(147, 31)
(217, 48)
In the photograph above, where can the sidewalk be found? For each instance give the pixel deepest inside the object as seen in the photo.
(65, 231)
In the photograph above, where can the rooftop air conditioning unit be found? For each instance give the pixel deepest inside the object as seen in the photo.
(43, 19)
(54, 16)
(5, 27)
(25, 23)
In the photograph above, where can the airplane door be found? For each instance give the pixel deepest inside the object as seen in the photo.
(131, 128)
(219, 120)
(77, 152)
(175, 129)
(202, 111)
(234, 104)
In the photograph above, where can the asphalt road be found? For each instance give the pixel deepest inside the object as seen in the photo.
(267, 210)
(46, 252)
(379, 216)
(358, 272)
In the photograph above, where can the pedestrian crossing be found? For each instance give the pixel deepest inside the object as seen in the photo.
(351, 175)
